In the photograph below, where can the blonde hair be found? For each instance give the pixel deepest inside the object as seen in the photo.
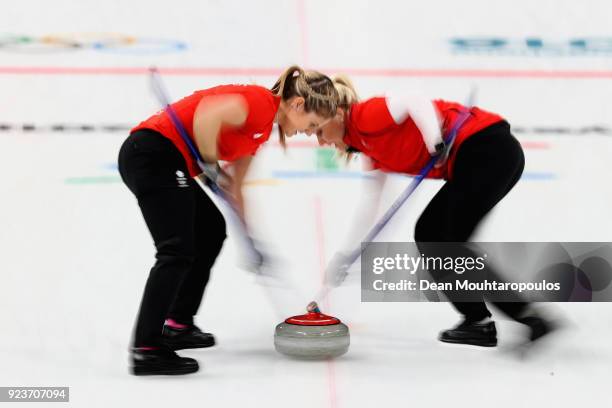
(318, 90)
(347, 95)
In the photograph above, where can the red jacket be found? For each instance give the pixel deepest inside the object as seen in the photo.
(233, 143)
(400, 147)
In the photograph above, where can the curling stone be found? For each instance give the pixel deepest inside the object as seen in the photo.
(312, 336)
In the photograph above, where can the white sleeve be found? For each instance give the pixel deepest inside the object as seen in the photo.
(424, 114)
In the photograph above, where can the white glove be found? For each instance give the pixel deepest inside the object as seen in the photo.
(254, 259)
(337, 269)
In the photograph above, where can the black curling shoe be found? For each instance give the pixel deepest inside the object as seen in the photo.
(161, 361)
(538, 327)
(480, 333)
(188, 338)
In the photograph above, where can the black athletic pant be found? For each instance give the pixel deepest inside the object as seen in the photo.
(487, 166)
(187, 228)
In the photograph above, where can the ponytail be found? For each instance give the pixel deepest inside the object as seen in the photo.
(347, 95)
(280, 88)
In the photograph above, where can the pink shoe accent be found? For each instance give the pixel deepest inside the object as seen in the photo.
(175, 325)
(147, 348)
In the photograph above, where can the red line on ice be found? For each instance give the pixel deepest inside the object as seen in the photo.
(320, 235)
(302, 22)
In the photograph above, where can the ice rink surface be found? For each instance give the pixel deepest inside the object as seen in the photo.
(76, 252)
